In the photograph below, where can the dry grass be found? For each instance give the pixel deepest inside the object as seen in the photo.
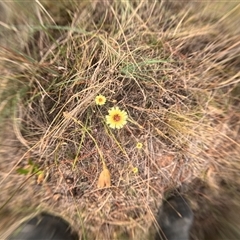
(177, 77)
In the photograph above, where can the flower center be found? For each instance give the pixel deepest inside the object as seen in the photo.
(116, 118)
(100, 99)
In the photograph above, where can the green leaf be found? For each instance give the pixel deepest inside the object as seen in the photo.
(22, 171)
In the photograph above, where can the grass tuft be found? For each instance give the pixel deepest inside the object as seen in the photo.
(172, 68)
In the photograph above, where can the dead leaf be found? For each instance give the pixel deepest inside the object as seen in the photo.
(57, 196)
(67, 115)
(212, 177)
(104, 178)
(165, 160)
(40, 177)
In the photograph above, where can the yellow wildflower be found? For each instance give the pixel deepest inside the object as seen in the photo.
(135, 170)
(100, 100)
(116, 118)
(139, 145)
